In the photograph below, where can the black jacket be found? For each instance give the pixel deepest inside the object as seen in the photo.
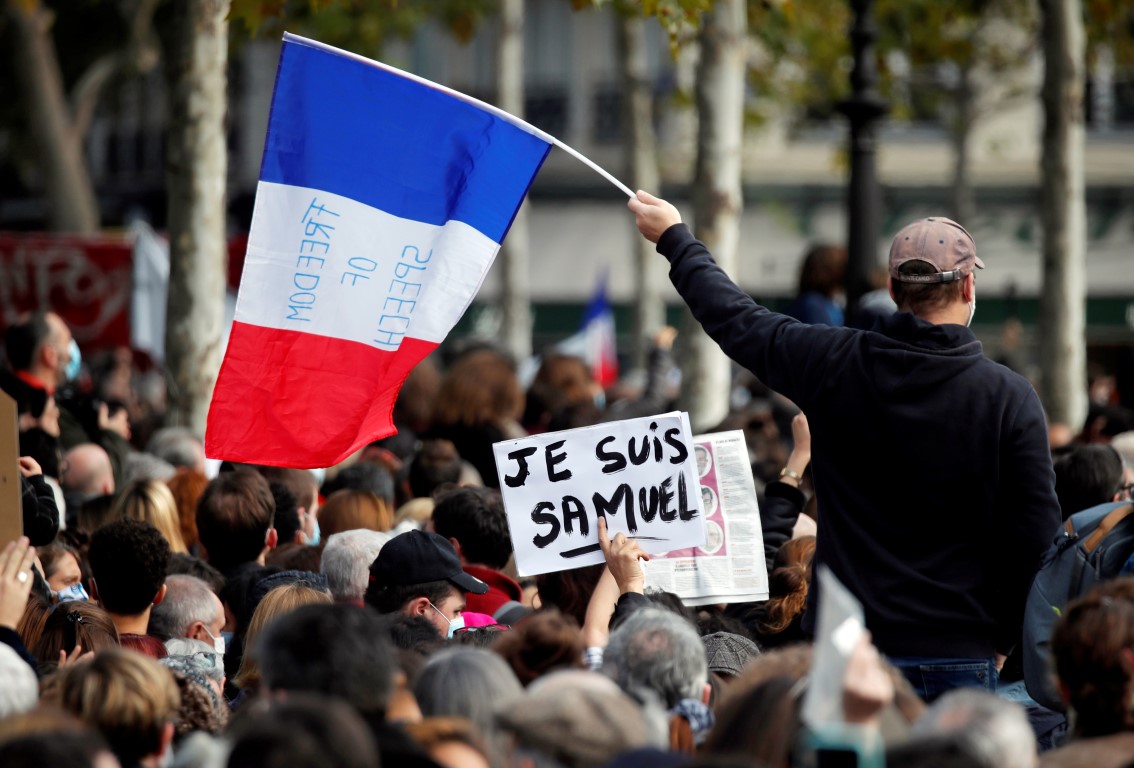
(930, 461)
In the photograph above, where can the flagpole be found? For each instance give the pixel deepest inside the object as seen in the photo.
(522, 124)
(593, 166)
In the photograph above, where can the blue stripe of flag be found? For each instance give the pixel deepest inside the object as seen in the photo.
(343, 126)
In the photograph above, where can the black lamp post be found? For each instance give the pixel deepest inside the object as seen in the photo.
(863, 109)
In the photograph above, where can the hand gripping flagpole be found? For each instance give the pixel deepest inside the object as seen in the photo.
(494, 110)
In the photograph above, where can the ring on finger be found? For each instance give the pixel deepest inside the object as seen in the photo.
(22, 577)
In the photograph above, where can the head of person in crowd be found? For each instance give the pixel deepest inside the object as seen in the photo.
(475, 523)
(40, 346)
(234, 520)
(152, 501)
(145, 466)
(190, 610)
(335, 650)
(479, 403)
(997, 729)
(435, 466)
(48, 736)
(195, 566)
(201, 709)
(661, 652)
(349, 509)
(823, 270)
(367, 476)
(277, 603)
(302, 731)
(576, 719)
(346, 563)
(569, 591)
(726, 654)
(301, 483)
(178, 446)
(199, 660)
(74, 624)
(1094, 663)
(94, 513)
(187, 487)
(295, 557)
(758, 723)
(128, 561)
(63, 570)
(451, 741)
(545, 642)
(1086, 476)
(286, 521)
(66, 749)
(932, 271)
(419, 574)
(87, 473)
(1124, 444)
(788, 584)
(132, 701)
(562, 382)
(466, 682)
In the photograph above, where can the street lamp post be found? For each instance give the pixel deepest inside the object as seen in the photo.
(863, 110)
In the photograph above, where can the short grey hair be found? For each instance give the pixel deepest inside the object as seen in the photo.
(179, 446)
(657, 651)
(346, 562)
(466, 682)
(145, 466)
(994, 729)
(187, 600)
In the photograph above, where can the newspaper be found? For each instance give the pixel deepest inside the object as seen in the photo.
(730, 566)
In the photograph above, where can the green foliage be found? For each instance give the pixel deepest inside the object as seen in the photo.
(362, 26)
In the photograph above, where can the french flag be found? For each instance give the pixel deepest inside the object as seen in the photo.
(383, 199)
(596, 342)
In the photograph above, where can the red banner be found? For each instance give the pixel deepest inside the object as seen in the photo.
(86, 280)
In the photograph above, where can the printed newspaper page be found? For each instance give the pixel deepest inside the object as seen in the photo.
(729, 567)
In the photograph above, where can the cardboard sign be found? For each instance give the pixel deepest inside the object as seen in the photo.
(11, 492)
(640, 474)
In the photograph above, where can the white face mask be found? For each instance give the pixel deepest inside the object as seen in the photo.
(218, 641)
(972, 311)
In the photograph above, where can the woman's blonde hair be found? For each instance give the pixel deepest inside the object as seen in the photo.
(129, 698)
(279, 602)
(350, 509)
(153, 502)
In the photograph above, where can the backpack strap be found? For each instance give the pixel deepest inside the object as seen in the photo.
(1105, 526)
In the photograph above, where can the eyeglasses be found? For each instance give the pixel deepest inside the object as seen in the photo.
(485, 628)
(1127, 491)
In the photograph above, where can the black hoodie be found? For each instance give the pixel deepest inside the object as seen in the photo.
(931, 462)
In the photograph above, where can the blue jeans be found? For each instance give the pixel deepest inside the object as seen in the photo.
(931, 677)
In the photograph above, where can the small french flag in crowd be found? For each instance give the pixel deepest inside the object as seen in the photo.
(596, 342)
(383, 199)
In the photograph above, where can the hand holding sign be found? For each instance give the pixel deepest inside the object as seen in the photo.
(622, 556)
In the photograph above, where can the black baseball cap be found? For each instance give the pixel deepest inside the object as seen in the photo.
(416, 557)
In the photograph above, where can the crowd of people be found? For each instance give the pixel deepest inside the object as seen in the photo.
(161, 611)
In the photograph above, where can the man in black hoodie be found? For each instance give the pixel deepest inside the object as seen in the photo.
(931, 462)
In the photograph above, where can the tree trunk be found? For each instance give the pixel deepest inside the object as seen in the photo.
(196, 58)
(962, 207)
(717, 200)
(72, 205)
(515, 283)
(641, 149)
(1062, 314)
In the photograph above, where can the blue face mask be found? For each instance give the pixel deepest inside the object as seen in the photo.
(73, 592)
(71, 372)
(454, 623)
(316, 535)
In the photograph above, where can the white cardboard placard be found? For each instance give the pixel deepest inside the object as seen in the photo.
(640, 474)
